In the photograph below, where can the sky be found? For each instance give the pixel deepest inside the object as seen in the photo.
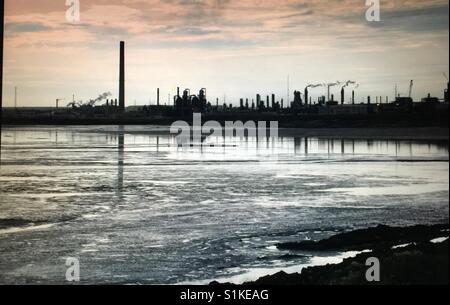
(234, 48)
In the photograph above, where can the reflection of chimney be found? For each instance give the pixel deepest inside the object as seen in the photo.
(342, 95)
(122, 77)
(120, 161)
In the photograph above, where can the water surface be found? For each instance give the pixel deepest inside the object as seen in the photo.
(134, 207)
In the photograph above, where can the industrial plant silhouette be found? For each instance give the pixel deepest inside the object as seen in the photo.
(303, 111)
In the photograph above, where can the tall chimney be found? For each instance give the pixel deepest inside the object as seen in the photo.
(157, 97)
(342, 95)
(122, 77)
(353, 97)
(306, 96)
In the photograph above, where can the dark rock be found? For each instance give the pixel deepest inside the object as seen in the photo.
(372, 238)
(420, 263)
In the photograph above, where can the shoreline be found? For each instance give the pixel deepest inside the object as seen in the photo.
(366, 133)
(408, 119)
(408, 256)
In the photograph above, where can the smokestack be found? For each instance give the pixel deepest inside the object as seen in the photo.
(368, 100)
(306, 96)
(122, 77)
(353, 97)
(332, 97)
(15, 97)
(157, 97)
(342, 95)
(273, 100)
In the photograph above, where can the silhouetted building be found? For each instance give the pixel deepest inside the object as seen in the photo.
(430, 100)
(297, 103)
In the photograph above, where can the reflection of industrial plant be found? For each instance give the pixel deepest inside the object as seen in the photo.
(185, 103)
